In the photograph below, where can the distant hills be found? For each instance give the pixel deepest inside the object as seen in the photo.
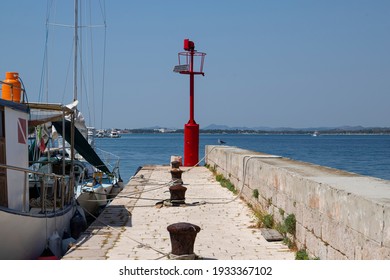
(290, 130)
(215, 128)
(266, 128)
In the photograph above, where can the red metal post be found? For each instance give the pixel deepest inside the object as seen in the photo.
(192, 118)
(191, 129)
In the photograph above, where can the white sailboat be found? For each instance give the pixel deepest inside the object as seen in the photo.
(36, 216)
(92, 193)
(31, 222)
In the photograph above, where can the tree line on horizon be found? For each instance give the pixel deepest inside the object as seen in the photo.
(379, 130)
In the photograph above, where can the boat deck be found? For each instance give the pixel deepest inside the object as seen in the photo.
(134, 225)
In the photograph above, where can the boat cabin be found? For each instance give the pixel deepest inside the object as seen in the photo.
(13, 152)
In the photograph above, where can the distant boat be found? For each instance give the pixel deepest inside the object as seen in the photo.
(315, 134)
(91, 132)
(100, 133)
(114, 134)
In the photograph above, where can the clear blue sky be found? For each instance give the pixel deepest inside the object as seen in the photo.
(269, 63)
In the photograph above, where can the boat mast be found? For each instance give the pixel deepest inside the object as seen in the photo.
(75, 49)
(72, 130)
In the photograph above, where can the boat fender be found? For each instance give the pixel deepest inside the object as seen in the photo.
(55, 244)
(121, 184)
(67, 244)
(78, 225)
(81, 211)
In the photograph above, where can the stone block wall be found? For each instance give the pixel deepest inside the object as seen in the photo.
(339, 215)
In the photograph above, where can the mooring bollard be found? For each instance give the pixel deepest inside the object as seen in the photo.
(175, 164)
(177, 194)
(176, 175)
(182, 240)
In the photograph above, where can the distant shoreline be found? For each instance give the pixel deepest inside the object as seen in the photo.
(370, 131)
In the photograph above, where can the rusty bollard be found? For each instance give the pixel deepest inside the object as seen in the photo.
(176, 175)
(177, 194)
(176, 172)
(175, 164)
(182, 240)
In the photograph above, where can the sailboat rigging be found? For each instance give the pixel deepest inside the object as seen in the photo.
(105, 177)
(86, 54)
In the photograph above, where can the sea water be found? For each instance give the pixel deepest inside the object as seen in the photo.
(363, 154)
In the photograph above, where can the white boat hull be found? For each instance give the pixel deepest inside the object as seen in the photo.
(26, 235)
(92, 199)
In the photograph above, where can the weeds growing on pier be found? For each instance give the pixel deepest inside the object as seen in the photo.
(268, 221)
(255, 193)
(302, 255)
(287, 228)
(226, 183)
(213, 169)
(290, 224)
(222, 180)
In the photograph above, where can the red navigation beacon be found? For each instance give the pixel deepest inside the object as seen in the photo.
(191, 63)
(189, 45)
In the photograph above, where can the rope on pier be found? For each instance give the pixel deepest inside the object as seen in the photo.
(142, 245)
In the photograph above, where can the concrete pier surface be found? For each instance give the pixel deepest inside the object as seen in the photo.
(134, 225)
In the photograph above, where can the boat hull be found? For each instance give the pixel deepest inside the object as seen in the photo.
(26, 235)
(93, 199)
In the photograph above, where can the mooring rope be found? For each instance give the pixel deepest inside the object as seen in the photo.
(144, 245)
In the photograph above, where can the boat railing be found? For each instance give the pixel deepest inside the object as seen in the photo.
(53, 190)
(110, 159)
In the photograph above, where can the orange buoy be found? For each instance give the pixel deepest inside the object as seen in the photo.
(11, 87)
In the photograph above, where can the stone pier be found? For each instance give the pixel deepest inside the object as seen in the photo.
(339, 215)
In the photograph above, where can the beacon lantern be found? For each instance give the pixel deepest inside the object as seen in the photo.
(188, 45)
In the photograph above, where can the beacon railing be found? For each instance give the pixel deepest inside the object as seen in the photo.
(52, 191)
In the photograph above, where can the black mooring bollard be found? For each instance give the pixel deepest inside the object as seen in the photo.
(177, 194)
(182, 240)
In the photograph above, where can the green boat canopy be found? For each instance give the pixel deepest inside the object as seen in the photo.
(82, 146)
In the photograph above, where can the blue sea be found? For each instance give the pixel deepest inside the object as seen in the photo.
(363, 154)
